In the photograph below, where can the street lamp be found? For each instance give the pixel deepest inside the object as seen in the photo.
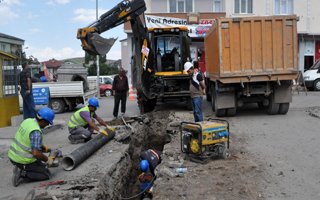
(20, 53)
(97, 58)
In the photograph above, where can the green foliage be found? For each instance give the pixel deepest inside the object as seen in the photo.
(105, 69)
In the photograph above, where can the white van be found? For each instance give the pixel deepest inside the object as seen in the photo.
(312, 77)
(92, 80)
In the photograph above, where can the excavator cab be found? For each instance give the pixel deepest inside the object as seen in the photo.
(171, 48)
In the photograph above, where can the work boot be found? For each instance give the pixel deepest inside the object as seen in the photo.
(75, 140)
(16, 176)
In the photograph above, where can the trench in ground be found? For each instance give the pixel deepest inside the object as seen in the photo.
(121, 181)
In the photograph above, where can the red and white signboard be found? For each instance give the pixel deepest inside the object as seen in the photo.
(195, 30)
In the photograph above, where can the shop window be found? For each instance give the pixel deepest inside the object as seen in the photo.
(217, 6)
(10, 75)
(283, 7)
(243, 6)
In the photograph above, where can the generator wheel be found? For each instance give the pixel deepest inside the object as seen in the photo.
(223, 151)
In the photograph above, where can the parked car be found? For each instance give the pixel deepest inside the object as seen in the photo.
(106, 90)
(312, 77)
(105, 84)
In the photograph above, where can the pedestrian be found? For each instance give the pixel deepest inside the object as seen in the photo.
(150, 159)
(81, 124)
(197, 90)
(120, 89)
(27, 150)
(29, 110)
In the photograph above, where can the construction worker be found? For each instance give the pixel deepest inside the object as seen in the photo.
(197, 90)
(153, 157)
(81, 124)
(26, 151)
(29, 110)
(146, 179)
(149, 161)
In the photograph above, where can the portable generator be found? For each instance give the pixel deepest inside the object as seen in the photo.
(202, 141)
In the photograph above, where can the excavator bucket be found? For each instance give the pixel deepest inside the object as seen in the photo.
(100, 45)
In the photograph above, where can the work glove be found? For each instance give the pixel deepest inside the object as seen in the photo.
(111, 128)
(45, 149)
(50, 161)
(56, 153)
(103, 132)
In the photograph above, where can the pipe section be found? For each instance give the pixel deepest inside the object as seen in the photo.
(79, 155)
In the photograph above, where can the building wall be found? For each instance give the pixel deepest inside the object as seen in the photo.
(158, 6)
(203, 6)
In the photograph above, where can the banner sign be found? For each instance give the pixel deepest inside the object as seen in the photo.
(41, 96)
(195, 30)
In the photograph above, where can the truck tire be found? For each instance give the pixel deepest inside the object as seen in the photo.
(57, 105)
(316, 85)
(283, 108)
(231, 112)
(213, 99)
(189, 104)
(220, 112)
(147, 106)
(273, 108)
(208, 96)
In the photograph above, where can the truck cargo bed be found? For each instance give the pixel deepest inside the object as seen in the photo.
(251, 49)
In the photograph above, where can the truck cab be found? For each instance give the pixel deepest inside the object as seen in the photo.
(312, 77)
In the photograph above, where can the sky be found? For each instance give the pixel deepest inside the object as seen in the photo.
(49, 27)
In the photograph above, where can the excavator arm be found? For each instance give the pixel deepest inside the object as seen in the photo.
(90, 37)
(142, 63)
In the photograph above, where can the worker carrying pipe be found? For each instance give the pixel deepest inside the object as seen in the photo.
(27, 150)
(81, 124)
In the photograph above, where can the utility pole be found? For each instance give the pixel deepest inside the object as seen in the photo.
(97, 58)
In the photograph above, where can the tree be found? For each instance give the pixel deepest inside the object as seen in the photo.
(105, 69)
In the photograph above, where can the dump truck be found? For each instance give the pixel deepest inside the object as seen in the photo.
(251, 60)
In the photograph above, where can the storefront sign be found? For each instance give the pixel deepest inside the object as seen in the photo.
(195, 30)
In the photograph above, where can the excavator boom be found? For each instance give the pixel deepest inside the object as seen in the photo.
(90, 37)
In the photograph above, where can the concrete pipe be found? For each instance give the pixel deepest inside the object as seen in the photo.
(76, 157)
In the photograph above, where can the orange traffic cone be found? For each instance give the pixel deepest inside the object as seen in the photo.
(132, 95)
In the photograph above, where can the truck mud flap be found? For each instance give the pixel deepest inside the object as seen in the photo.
(225, 100)
(283, 93)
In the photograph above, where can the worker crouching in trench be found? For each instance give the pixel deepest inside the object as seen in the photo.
(150, 159)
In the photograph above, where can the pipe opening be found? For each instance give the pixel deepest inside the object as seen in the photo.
(67, 163)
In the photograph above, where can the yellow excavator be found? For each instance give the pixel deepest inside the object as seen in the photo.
(158, 54)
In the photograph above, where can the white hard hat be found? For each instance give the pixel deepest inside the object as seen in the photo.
(187, 66)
